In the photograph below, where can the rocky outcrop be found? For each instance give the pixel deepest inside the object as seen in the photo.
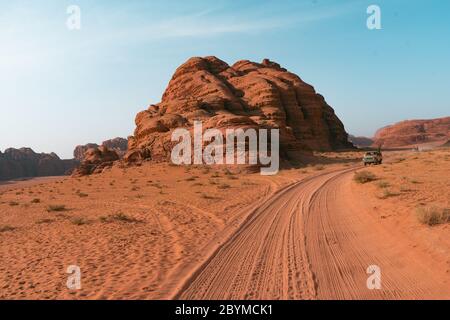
(79, 151)
(244, 95)
(413, 132)
(24, 162)
(96, 160)
(360, 142)
(120, 145)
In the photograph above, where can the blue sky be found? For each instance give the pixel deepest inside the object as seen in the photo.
(60, 88)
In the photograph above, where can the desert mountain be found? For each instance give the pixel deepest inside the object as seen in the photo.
(244, 95)
(413, 132)
(24, 162)
(118, 145)
(360, 142)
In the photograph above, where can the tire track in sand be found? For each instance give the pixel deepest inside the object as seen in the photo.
(311, 240)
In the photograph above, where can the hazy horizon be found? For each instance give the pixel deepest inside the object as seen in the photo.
(63, 88)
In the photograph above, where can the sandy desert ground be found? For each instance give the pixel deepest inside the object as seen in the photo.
(160, 232)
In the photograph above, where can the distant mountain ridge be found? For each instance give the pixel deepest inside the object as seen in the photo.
(413, 132)
(24, 162)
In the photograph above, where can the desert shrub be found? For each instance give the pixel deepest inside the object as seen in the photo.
(387, 194)
(13, 203)
(6, 228)
(208, 197)
(119, 216)
(42, 221)
(36, 200)
(224, 186)
(364, 177)
(78, 221)
(82, 195)
(383, 184)
(56, 208)
(228, 172)
(404, 189)
(433, 215)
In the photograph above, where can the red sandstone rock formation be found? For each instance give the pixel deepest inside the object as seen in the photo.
(245, 95)
(120, 145)
(413, 132)
(96, 160)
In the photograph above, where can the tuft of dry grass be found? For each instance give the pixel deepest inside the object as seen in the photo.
(78, 221)
(36, 200)
(387, 194)
(56, 208)
(433, 215)
(208, 197)
(6, 228)
(364, 177)
(383, 184)
(119, 216)
(82, 195)
(42, 221)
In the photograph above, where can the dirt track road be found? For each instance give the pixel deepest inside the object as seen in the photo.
(314, 240)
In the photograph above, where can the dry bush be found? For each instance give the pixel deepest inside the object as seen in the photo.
(383, 184)
(42, 221)
(433, 215)
(56, 208)
(6, 228)
(364, 177)
(387, 194)
(78, 221)
(119, 216)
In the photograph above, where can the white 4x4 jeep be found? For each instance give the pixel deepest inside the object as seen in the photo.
(373, 157)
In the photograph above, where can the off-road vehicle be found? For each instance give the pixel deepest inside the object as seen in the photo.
(373, 157)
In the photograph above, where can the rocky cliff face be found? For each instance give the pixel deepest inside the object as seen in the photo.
(244, 95)
(119, 145)
(413, 132)
(24, 162)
